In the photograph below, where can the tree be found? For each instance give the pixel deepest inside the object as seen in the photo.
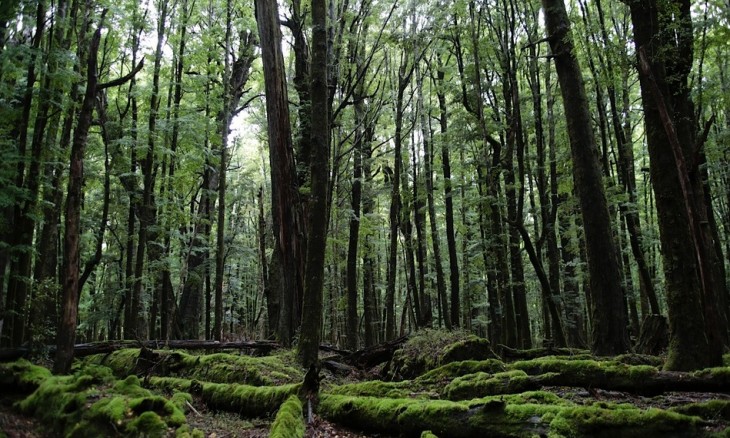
(284, 195)
(664, 40)
(609, 318)
(318, 208)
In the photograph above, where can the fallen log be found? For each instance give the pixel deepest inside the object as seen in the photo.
(510, 354)
(88, 349)
(509, 416)
(375, 355)
(612, 376)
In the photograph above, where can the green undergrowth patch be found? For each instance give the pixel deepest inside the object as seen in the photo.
(22, 376)
(708, 410)
(289, 421)
(246, 400)
(521, 415)
(217, 367)
(92, 402)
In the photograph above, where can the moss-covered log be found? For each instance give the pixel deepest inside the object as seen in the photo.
(104, 347)
(530, 414)
(612, 375)
(248, 401)
(218, 367)
(289, 422)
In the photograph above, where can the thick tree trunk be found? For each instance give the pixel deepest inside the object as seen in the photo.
(694, 322)
(284, 195)
(609, 334)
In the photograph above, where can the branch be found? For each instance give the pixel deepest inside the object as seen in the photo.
(124, 79)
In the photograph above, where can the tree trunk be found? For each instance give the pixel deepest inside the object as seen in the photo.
(665, 62)
(67, 327)
(284, 196)
(318, 211)
(609, 334)
(455, 297)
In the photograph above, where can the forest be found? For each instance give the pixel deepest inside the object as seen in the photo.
(418, 218)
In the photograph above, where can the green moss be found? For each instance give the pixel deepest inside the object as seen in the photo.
(709, 410)
(455, 369)
(428, 434)
(184, 431)
(483, 384)
(632, 422)
(584, 369)
(289, 422)
(429, 349)
(374, 388)
(247, 400)
(22, 375)
(218, 367)
(122, 361)
(147, 424)
(92, 403)
(640, 359)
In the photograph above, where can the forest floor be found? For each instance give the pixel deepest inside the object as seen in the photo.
(433, 385)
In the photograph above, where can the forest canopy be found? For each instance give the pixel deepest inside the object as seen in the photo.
(345, 172)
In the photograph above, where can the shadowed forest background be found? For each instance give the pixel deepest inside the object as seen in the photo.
(350, 171)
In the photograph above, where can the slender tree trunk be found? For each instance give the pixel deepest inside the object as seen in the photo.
(71, 267)
(455, 297)
(428, 153)
(318, 212)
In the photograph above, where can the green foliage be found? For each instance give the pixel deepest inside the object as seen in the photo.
(289, 422)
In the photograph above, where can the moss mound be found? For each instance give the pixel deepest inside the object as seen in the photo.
(22, 376)
(429, 349)
(289, 422)
(218, 367)
(93, 403)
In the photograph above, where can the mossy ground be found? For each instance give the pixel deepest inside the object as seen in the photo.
(200, 394)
